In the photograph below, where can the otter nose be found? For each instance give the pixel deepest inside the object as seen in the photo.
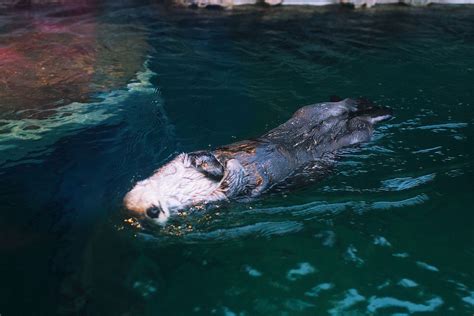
(153, 212)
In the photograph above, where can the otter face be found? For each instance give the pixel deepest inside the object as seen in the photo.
(186, 181)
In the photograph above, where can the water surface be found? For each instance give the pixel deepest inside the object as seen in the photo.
(127, 86)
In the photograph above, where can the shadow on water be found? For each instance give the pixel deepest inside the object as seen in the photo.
(389, 231)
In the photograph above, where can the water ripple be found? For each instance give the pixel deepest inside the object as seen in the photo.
(416, 200)
(400, 184)
(377, 303)
(213, 230)
(263, 229)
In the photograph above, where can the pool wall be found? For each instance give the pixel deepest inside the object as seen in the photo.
(232, 3)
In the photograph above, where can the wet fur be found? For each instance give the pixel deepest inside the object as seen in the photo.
(246, 169)
(177, 185)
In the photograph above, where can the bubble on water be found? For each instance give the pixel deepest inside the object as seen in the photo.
(302, 269)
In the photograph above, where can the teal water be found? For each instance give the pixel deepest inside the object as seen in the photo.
(390, 232)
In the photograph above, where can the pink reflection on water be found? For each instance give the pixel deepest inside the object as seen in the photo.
(56, 54)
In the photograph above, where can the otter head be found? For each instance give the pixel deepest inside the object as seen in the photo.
(188, 180)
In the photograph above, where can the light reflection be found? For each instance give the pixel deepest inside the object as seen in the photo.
(377, 303)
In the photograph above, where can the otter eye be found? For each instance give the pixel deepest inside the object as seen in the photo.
(153, 212)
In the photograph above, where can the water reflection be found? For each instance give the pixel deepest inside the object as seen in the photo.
(53, 56)
(388, 231)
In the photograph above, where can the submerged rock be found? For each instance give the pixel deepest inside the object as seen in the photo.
(51, 62)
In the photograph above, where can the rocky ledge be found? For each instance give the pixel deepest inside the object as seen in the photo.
(355, 3)
(232, 3)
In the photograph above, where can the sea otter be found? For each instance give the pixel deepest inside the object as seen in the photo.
(244, 170)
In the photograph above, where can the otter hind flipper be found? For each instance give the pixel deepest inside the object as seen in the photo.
(234, 181)
(372, 113)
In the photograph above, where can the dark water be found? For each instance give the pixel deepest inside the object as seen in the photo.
(127, 86)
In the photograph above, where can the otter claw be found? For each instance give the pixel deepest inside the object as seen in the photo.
(233, 181)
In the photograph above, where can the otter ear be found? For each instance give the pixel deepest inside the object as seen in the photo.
(207, 163)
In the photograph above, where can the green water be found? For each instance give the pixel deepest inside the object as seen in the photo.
(390, 232)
